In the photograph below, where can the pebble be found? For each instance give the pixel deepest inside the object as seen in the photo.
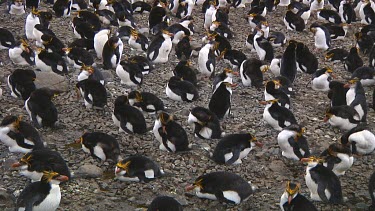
(89, 171)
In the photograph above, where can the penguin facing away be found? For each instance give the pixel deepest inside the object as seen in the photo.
(93, 92)
(251, 72)
(220, 102)
(288, 67)
(360, 140)
(21, 83)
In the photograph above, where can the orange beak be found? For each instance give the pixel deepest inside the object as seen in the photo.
(290, 199)
(118, 170)
(305, 160)
(16, 165)
(236, 73)
(189, 187)
(326, 119)
(78, 141)
(62, 178)
(263, 102)
(234, 85)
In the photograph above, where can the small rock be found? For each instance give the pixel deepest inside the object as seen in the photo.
(51, 80)
(89, 171)
(6, 199)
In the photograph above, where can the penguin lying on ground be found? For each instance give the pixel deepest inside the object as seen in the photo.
(360, 140)
(321, 79)
(293, 200)
(338, 158)
(251, 72)
(292, 143)
(21, 83)
(183, 70)
(22, 54)
(93, 92)
(52, 44)
(6, 39)
(100, 145)
(366, 75)
(90, 72)
(129, 73)
(343, 117)
(164, 202)
(336, 54)
(79, 57)
(50, 62)
(181, 90)
(146, 101)
(276, 116)
(206, 123)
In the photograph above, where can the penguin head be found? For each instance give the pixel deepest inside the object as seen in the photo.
(35, 12)
(336, 148)
(329, 71)
(25, 46)
(292, 190)
(167, 33)
(336, 85)
(134, 33)
(121, 100)
(352, 82)
(253, 141)
(11, 121)
(53, 177)
(67, 51)
(228, 85)
(47, 39)
(113, 42)
(312, 161)
(165, 118)
(264, 68)
(136, 96)
(197, 186)
(354, 50)
(25, 162)
(328, 114)
(329, 56)
(122, 167)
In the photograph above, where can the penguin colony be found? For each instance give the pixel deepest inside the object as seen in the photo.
(106, 36)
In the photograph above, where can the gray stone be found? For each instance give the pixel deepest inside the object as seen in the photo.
(89, 171)
(51, 80)
(6, 199)
(108, 75)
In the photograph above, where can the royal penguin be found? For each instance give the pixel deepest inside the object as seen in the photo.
(337, 93)
(100, 145)
(79, 57)
(209, 15)
(323, 184)
(274, 67)
(52, 44)
(146, 101)
(232, 148)
(138, 41)
(22, 54)
(157, 14)
(294, 22)
(137, 168)
(329, 15)
(221, 43)
(364, 42)
(183, 70)
(360, 140)
(183, 49)
(249, 43)
(143, 63)
(206, 123)
(306, 61)
(285, 85)
(82, 43)
(251, 72)
(321, 36)
(90, 72)
(337, 32)
(21, 83)
(171, 135)
(336, 54)
(160, 47)
(181, 90)
(225, 76)
(365, 75)
(6, 39)
(128, 118)
(276, 116)
(93, 92)
(83, 28)
(124, 32)
(338, 158)
(164, 203)
(293, 200)
(141, 7)
(343, 117)
(356, 98)
(40, 30)
(16, 7)
(288, 66)
(272, 91)
(321, 79)
(233, 57)
(50, 62)
(62, 8)
(31, 20)
(366, 13)
(45, 18)
(112, 52)
(42, 195)
(292, 142)
(222, 186)
(41, 109)
(19, 136)
(353, 60)
(254, 20)
(277, 39)
(220, 102)
(207, 60)
(181, 29)
(316, 5)
(78, 5)
(263, 48)
(107, 17)
(222, 29)
(100, 39)
(129, 73)
(34, 163)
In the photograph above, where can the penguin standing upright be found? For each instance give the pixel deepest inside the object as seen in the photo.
(146, 101)
(263, 48)
(288, 67)
(323, 184)
(306, 61)
(206, 123)
(292, 142)
(321, 36)
(346, 12)
(160, 47)
(137, 168)
(138, 41)
(183, 49)
(171, 136)
(338, 158)
(209, 14)
(273, 91)
(31, 20)
(223, 186)
(206, 59)
(321, 79)
(225, 76)
(232, 148)
(157, 14)
(93, 92)
(293, 200)
(356, 98)
(22, 54)
(251, 72)
(276, 116)
(42, 195)
(353, 60)
(364, 42)
(112, 52)
(100, 39)
(100, 145)
(128, 118)
(337, 93)
(41, 109)
(21, 83)
(220, 102)
(360, 140)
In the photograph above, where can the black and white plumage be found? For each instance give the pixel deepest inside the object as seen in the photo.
(93, 92)
(232, 148)
(294, 22)
(52, 44)
(221, 99)
(50, 62)
(225, 76)
(337, 93)
(292, 142)
(143, 63)
(181, 90)
(129, 73)
(360, 140)
(79, 57)
(329, 15)
(343, 117)
(321, 79)
(41, 109)
(38, 31)
(364, 42)
(128, 118)
(146, 101)
(322, 36)
(292, 200)
(263, 48)
(100, 39)
(183, 70)
(306, 61)
(336, 54)
(16, 7)
(22, 54)
(183, 48)
(366, 75)
(353, 60)
(276, 116)
(90, 72)
(288, 66)
(171, 135)
(323, 184)
(62, 8)
(234, 57)
(42, 195)
(6, 39)
(107, 17)
(160, 48)
(222, 186)
(141, 7)
(207, 60)
(206, 123)
(164, 202)
(277, 39)
(137, 168)
(337, 32)
(356, 98)
(251, 72)
(21, 83)
(112, 52)
(100, 145)
(338, 158)
(138, 41)
(273, 91)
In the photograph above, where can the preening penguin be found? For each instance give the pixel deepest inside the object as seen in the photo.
(277, 39)
(336, 54)
(288, 66)
(6, 39)
(157, 14)
(146, 101)
(42, 195)
(322, 36)
(181, 90)
(183, 70)
(129, 73)
(353, 60)
(21, 83)
(323, 184)
(321, 79)
(263, 48)
(79, 57)
(62, 8)
(329, 15)
(207, 60)
(138, 41)
(100, 145)
(356, 98)
(171, 135)
(90, 72)
(366, 75)
(222, 186)
(225, 76)
(183, 48)
(141, 7)
(251, 72)
(143, 63)
(220, 102)
(164, 202)
(41, 109)
(160, 47)
(206, 123)
(22, 54)
(292, 200)
(337, 32)
(294, 22)
(112, 52)
(360, 140)
(50, 62)
(233, 57)
(276, 116)
(128, 118)
(19, 136)
(273, 91)
(292, 142)
(343, 117)
(306, 61)
(137, 168)
(232, 148)
(338, 158)
(93, 92)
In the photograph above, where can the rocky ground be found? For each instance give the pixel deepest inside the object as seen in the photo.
(94, 187)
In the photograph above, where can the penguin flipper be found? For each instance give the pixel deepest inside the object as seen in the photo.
(321, 192)
(164, 138)
(354, 147)
(123, 126)
(86, 96)
(33, 116)
(295, 146)
(28, 197)
(26, 56)
(234, 158)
